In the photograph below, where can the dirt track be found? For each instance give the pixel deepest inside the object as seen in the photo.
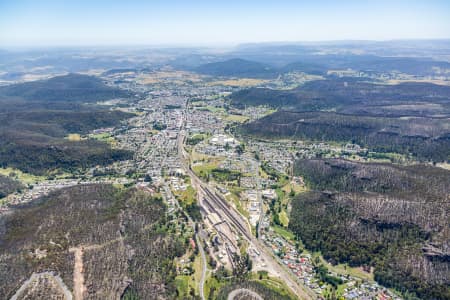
(78, 276)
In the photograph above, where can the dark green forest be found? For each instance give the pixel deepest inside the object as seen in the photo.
(36, 116)
(239, 68)
(349, 95)
(68, 88)
(378, 215)
(408, 118)
(424, 138)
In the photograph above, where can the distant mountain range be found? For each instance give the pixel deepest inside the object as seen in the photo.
(319, 65)
(237, 68)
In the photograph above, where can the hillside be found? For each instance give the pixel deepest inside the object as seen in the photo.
(353, 96)
(35, 141)
(59, 123)
(305, 67)
(8, 186)
(410, 118)
(94, 240)
(41, 155)
(237, 68)
(37, 116)
(424, 138)
(390, 217)
(71, 87)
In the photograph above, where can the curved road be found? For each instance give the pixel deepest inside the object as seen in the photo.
(35, 276)
(246, 292)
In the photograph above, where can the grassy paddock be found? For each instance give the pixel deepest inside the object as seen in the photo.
(25, 178)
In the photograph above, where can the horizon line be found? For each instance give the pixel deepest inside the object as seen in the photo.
(211, 45)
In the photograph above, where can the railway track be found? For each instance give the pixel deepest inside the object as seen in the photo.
(227, 211)
(217, 203)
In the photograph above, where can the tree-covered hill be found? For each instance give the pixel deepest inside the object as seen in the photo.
(8, 186)
(123, 236)
(353, 96)
(36, 116)
(390, 217)
(237, 68)
(426, 139)
(67, 88)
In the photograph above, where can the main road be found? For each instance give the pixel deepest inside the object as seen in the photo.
(229, 213)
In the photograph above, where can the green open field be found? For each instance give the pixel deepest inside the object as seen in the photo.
(104, 137)
(25, 178)
(184, 283)
(285, 233)
(345, 269)
(284, 219)
(234, 197)
(236, 118)
(187, 196)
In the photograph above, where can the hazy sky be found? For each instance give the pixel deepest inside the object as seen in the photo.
(109, 22)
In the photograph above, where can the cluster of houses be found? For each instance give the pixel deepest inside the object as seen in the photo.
(299, 264)
(177, 183)
(45, 187)
(153, 135)
(302, 266)
(279, 156)
(203, 121)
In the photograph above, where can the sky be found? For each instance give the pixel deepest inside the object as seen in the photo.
(213, 22)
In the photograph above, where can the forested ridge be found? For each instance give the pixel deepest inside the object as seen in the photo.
(423, 138)
(346, 95)
(390, 217)
(237, 67)
(37, 116)
(68, 88)
(132, 250)
(408, 118)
